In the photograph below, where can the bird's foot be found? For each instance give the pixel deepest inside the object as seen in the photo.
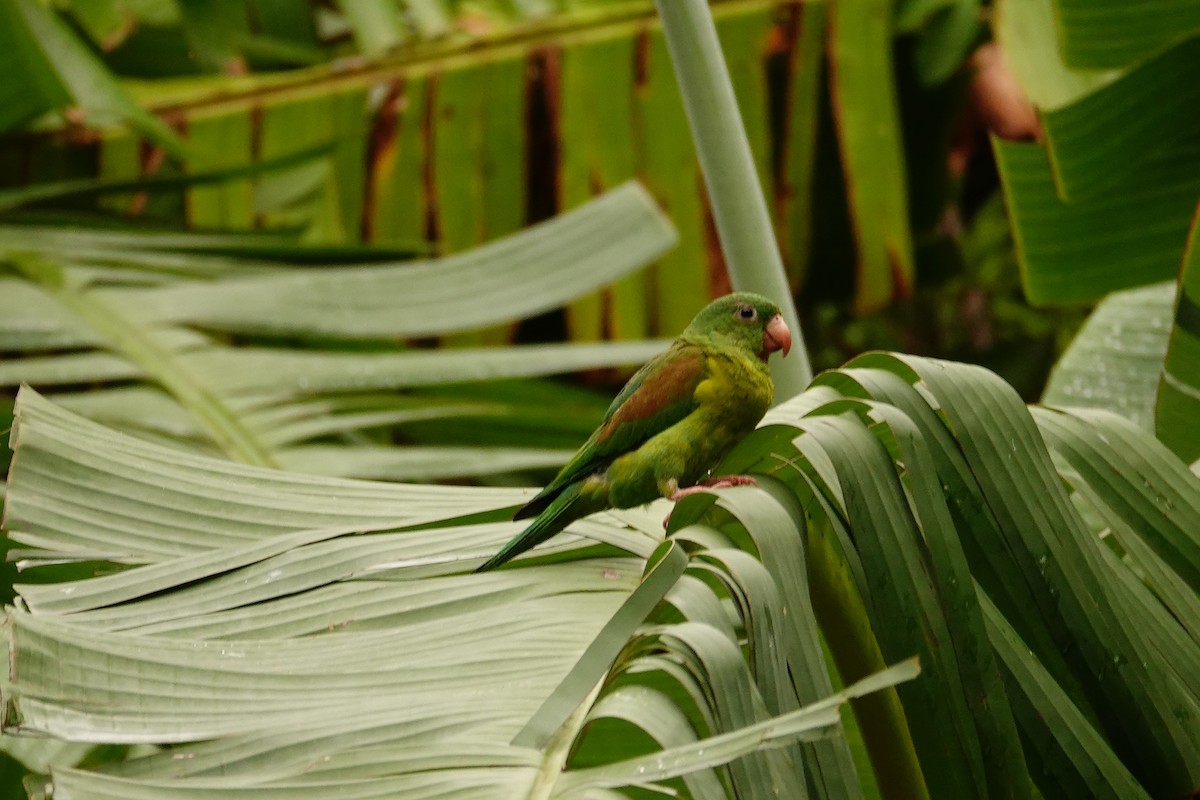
(723, 482)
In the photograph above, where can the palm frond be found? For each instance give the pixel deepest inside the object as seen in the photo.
(307, 629)
(76, 326)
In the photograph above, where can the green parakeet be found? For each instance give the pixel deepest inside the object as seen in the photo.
(674, 420)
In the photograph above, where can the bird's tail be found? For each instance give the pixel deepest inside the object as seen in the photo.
(569, 506)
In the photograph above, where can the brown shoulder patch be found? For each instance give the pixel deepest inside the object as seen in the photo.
(670, 385)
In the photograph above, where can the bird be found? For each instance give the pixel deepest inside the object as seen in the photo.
(671, 424)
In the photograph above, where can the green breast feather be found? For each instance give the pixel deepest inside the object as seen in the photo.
(671, 423)
(658, 396)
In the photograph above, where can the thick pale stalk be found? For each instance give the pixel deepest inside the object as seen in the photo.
(738, 205)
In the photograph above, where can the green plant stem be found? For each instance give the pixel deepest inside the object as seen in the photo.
(738, 205)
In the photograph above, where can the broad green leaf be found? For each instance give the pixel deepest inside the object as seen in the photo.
(1169, 586)
(504, 191)
(1128, 236)
(1160, 507)
(280, 111)
(905, 614)
(1179, 388)
(1105, 204)
(479, 188)
(1110, 33)
(1108, 137)
(1003, 763)
(795, 198)
(298, 373)
(1065, 560)
(285, 21)
(867, 115)
(1115, 361)
(176, 702)
(909, 15)
(326, 199)
(1055, 718)
(724, 687)
(941, 563)
(744, 38)
(1156, 628)
(846, 629)
(305, 419)
(478, 781)
(220, 142)
(758, 603)
(992, 563)
(597, 100)
(1027, 32)
(458, 137)
(902, 461)
(430, 17)
(41, 89)
(102, 21)
(399, 203)
(958, 414)
(667, 164)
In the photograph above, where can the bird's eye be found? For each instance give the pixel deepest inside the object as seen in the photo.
(747, 313)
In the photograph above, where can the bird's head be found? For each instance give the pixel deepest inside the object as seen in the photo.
(746, 320)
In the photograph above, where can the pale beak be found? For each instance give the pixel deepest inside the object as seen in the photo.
(776, 336)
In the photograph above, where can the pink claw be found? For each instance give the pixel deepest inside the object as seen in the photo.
(723, 482)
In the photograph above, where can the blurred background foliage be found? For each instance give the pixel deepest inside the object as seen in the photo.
(454, 123)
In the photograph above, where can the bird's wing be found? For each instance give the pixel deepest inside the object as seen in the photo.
(659, 395)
